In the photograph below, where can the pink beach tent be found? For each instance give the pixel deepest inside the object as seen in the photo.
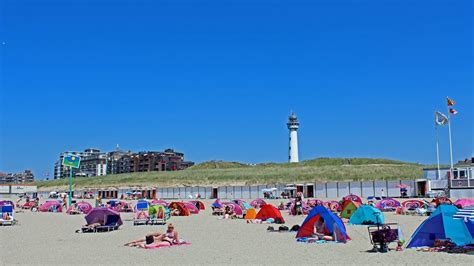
(191, 207)
(159, 202)
(51, 206)
(463, 203)
(315, 202)
(235, 207)
(333, 205)
(82, 206)
(352, 197)
(387, 203)
(412, 204)
(257, 203)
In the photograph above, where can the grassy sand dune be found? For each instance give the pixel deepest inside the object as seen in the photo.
(231, 173)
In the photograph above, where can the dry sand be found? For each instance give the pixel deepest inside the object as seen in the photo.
(49, 238)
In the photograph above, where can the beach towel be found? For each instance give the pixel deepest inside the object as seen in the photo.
(159, 245)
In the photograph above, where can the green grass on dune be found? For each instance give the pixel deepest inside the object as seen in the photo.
(231, 173)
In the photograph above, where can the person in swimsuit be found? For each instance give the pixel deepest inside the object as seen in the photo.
(157, 239)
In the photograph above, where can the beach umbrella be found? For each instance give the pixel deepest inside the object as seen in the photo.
(100, 215)
(441, 201)
(191, 207)
(387, 203)
(352, 197)
(412, 204)
(463, 203)
(402, 186)
(51, 206)
(235, 207)
(159, 202)
(333, 205)
(84, 207)
(257, 203)
(315, 202)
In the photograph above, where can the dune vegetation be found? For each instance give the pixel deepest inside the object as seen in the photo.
(234, 173)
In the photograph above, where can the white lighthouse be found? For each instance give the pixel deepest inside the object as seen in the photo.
(293, 126)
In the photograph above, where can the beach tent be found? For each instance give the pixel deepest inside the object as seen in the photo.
(155, 210)
(243, 204)
(269, 211)
(199, 204)
(235, 207)
(51, 206)
(442, 201)
(251, 214)
(159, 202)
(367, 214)
(333, 205)
(387, 204)
(82, 206)
(258, 203)
(191, 207)
(352, 197)
(103, 216)
(333, 223)
(349, 208)
(441, 225)
(183, 211)
(315, 202)
(412, 204)
(463, 203)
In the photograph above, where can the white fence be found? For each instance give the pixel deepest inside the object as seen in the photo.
(316, 190)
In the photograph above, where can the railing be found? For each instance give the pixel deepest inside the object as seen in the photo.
(462, 183)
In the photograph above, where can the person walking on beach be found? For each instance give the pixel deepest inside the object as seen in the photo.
(98, 201)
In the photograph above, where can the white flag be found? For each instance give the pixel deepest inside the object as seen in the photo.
(440, 119)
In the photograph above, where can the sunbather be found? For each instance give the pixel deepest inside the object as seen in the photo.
(142, 215)
(6, 216)
(155, 240)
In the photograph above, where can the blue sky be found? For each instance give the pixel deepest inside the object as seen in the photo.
(217, 79)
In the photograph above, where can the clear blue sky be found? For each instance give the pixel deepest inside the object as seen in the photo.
(217, 79)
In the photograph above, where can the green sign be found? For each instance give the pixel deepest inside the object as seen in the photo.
(72, 161)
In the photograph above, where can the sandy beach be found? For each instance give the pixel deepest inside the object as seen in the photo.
(50, 238)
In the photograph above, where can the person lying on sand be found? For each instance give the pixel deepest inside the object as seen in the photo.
(157, 239)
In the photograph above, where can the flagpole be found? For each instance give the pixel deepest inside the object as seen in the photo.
(437, 150)
(450, 142)
(70, 186)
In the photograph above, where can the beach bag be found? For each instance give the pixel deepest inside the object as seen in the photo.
(295, 228)
(270, 229)
(283, 228)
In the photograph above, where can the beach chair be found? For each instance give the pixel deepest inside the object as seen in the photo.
(141, 209)
(382, 235)
(111, 224)
(7, 215)
(161, 216)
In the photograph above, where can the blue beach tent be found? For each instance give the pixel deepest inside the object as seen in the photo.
(367, 214)
(441, 225)
(333, 224)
